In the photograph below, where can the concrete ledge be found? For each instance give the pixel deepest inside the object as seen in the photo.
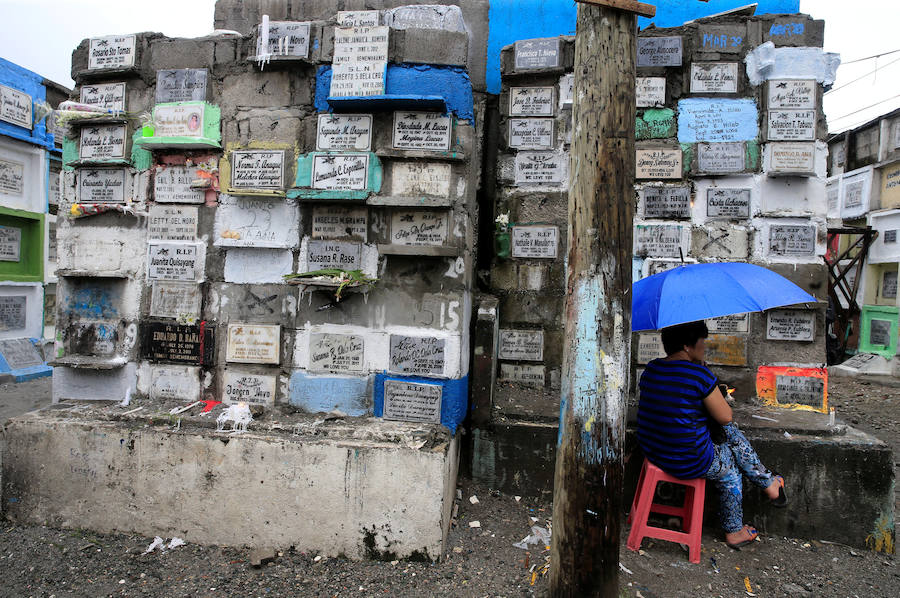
(366, 489)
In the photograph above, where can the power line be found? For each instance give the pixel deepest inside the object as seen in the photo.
(866, 108)
(832, 90)
(870, 57)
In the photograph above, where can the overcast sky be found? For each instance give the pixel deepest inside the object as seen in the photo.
(41, 34)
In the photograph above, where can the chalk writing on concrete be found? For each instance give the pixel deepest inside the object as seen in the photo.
(412, 401)
(254, 222)
(417, 355)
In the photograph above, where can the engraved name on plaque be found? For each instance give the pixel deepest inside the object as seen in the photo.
(727, 203)
(521, 345)
(101, 185)
(102, 142)
(172, 184)
(714, 77)
(114, 51)
(412, 401)
(344, 132)
(339, 353)
(659, 51)
(257, 169)
(417, 355)
(181, 85)
(531, 101)
(419, 227)
(720, 158)
(531, 133)
(422, 131)
(104, 95)
(338, 172)
(790, 325)
(532, 54)
(535, 241)
(792, 125)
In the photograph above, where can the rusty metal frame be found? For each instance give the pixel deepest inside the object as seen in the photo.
(837, 277)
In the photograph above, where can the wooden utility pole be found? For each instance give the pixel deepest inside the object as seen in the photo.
(587, 492)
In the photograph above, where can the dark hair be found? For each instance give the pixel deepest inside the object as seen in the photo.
(674, 338)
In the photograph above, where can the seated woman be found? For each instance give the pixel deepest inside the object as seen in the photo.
(679, 397)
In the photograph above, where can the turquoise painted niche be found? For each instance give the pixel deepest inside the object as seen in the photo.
(337, 175)
(186, 125)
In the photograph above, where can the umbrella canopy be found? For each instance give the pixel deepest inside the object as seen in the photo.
(701, 291)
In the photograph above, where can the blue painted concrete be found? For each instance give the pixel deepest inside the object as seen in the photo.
(713, 120)
(450, 82)
(324, 393)
(454, 397)
(13, 75)
(512, 20)
(25, 374)
(92, 302)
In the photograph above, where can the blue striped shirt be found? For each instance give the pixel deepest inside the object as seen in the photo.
(672, 420)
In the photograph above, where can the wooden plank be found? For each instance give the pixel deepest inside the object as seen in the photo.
(641, 8)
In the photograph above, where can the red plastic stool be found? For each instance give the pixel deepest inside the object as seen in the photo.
(691, 512)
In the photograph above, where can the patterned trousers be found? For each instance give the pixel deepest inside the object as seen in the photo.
(732, 458)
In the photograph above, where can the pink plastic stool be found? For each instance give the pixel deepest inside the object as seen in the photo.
(691, 512)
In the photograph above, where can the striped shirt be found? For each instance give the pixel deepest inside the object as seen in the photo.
(672, 420)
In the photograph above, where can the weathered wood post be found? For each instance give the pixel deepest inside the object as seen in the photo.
(587, 495)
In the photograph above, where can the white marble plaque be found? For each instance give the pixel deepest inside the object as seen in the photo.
(729, 324)
(10, 243)
(792, 125)
(243, 387)
(113, 51)
(340, 172)
(256, 222)
(184, 120)
(889, 285)
(417, 355)
(285, 38)
(360, 61)
(357, 18)
(792, 94)
(344, 132)
(178, 300)
(536, 168)
(880, 332)
(523, 374)
(172, 184)
(419, 227)
(659, 51)
(101, 185)
(531, 133)
(55, 188)
(792, 240)
(727, 203)
(535, 241)
(257, 169)
(173, 261)
(531, 101)
(12, 312)
(412, 401)
(336, 222)
(253, 343)
(339, 353)
(421, 130)
(890, 236)
(16, 107)
(792, 157)
(104, 95)
(103, 141)
(566, 90)
(20, 353)
(666, 202)
(521, 345)
(181, 85)
(801, 390)
(173, 223)
(333, 254)
(420, 178)
(658, 163)
(51, 247)
(173, 382)
(720, 158)
(658, 240)
(714, 77)
(650, 347)
(855, 191)
(650, 92)
(531, 54)
(12, 177)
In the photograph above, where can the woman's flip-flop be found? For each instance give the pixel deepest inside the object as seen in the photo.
(780, 502)
(753, 535)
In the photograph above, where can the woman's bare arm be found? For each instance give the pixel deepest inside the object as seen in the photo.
(718, 407)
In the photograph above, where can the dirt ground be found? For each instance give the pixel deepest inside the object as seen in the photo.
(480, 561)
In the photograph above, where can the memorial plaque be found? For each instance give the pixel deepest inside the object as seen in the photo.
(792, 125)
(666, 202)
(720, 158)
(855, 193)
(15, 107)
(51, 244)
(727, 203)
(535, 241)
(344, 132)
(12, 312)
(895, 135)
(659, 51)
(714, 77)
(172, 184)
(659, 163)
(658, 240)
(535, 168)
(531, 133)
(103, 141)
(417, 355)
(889, 285)
(340, 172)
(255, 222)
(790, 325)
(420, 178)
(890, 186)
(650, 92)
(357, 18)
(190, 344)
(729, 324)
(10, 243)
(793, 158)
(333, 254)
(650, 347)
(833, 195)
(532, 54)
(717, 120)
(337, 353)
(174, 383)
(257, 169)
(421, 130)
(800, 390)
(173, 223)
(255, 389)
(726, 349)
(792, 94)
(181, 85)
(55, 188)
(253, 343)
(792, 240)
(521, 345)
(20, 353)
(173, 261)
(12, 177)
(360, 61)
(177, 300)
(890, 236)
(114, 51)
(531, 101)
(285, 38)
(419, 227)
(412, 401)
(566, 90)
(880, 332)
(336, 222)
(528, 375)
(104, 95)
(101, 185)
(185, 120)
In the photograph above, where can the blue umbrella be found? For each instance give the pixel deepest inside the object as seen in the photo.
(701, 291)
